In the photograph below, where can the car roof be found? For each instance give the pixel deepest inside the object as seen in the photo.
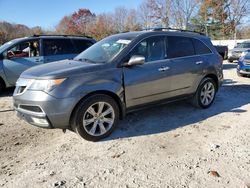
(55, 37)
(135, 34)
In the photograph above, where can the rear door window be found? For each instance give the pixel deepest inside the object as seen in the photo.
(200, 47)
(81, 45)
(58, 47)
(179, 47)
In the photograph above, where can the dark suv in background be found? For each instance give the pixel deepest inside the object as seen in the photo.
(20, 54)
(119, 74)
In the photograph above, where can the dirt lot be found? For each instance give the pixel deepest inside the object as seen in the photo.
(174, 145)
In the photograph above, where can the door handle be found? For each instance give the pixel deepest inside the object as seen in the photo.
(38, 60)
(199, 62)
(162, 69)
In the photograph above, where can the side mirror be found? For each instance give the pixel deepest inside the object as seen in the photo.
(4, 55)
(136, 60)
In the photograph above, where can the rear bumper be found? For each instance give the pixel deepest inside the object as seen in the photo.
(233, 58)
(49, 112)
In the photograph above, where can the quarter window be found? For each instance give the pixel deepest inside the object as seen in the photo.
(152, 49)
(179, 47)
(200, 47)
(58, 47)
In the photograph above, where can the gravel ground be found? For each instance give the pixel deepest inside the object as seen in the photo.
(174, 145)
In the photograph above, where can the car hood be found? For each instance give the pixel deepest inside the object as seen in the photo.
(59, 69)
(240, 49)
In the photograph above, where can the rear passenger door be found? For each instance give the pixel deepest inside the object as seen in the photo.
(186, 66)
(58, 49)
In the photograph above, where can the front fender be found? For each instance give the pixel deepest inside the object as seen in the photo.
(80, 85)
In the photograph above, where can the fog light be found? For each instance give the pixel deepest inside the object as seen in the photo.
(39, 121)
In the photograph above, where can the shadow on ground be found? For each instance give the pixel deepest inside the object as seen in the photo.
(171, 116)
(7, 92)
(230, 66)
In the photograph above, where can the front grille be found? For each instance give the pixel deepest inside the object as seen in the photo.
(31, 108)
(247, 62)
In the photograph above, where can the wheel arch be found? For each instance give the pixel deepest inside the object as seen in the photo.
(117, 99)
(215, 78)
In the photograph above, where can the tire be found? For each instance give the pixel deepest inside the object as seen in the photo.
(198, 99)
(240, 75)
(2, 86)
(95, 127)
(230, 61)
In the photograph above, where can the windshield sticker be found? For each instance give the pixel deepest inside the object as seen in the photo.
(123, 41)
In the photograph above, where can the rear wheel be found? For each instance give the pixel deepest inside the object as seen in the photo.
(240, 74)
(205, 94)
(96, 117)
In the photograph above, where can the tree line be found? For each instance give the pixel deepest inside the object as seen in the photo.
(219, 19)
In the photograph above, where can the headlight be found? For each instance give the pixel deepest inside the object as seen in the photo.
(45, 85)
(243, 54)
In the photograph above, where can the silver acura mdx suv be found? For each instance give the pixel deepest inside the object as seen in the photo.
(121, 73)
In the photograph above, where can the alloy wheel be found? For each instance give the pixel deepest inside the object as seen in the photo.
(207, 94)
(98, 119)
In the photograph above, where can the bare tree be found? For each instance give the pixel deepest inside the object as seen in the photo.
(120, 16)
(158, 12)
(132, 22)
(144, 15)
(237, 11)
(182, 12)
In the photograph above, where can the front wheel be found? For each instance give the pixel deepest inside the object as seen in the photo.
(2, 86)
(96, 117)
(205, 94)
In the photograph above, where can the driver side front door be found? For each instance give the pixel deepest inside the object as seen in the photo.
(151, 81)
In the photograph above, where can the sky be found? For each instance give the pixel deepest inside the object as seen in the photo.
(47, 13)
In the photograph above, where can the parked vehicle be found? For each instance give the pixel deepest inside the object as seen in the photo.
(236, 53)
(117, 75)
(222, 50)
(243, 68)
(20, 54)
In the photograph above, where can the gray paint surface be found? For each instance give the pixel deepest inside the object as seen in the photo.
(133, 86)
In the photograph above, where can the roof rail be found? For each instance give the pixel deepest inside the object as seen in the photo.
(62, 36)
(173, 29)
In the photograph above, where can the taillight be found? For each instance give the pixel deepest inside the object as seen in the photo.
(221, 59)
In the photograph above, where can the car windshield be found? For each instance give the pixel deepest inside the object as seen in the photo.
(243, 45)
(7, 44)
(247, 56)
(105, 50)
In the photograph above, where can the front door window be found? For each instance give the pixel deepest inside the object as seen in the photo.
(24, 50)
